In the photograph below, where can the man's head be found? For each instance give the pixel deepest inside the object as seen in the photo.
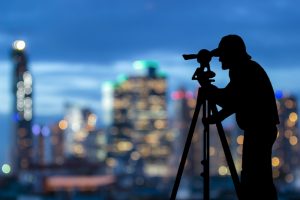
(231, 51)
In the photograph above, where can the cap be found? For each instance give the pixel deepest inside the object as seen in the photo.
(231, 45)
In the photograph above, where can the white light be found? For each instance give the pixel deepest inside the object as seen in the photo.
(28, 102)
(28, 115)
(20, 85)
(19, 45)
(6, 168)
(27, 79)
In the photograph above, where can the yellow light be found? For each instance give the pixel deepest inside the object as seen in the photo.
(293, 140)
(222, 170)
(145, 151)
(290, 123)
(19, 45)
(63, 124)
(240, 139)
(78, 149)
(159, 124)
(152, 138)
(275, 161)
(293, 117)
(124, 146)
(111, 162)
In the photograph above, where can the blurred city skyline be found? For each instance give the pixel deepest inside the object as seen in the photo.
(75, 47)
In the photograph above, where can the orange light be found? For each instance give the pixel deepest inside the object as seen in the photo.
(293, 140)
(293, 117)
(240, 139)
(63, 124)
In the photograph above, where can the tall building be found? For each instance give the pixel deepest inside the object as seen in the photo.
(40, 134)
(81, 139)
(184, 107)
(286, 151)
(139, 130)
(57, 142)
(22, 108)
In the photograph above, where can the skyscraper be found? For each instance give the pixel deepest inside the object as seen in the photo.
(57, 142)
(139, 132)
(286, 149)
(184, 107)
(22, 108)
(79, 126)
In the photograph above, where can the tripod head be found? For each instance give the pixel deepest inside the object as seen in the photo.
(203, 74)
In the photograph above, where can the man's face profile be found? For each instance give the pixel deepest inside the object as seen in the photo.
(225, 61)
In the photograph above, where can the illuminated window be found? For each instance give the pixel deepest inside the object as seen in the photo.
(275, 162)
(222, 170)
(240, 139)
(293, 117)
(63, 124)
(293, 140)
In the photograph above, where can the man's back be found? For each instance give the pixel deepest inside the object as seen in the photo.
(254, 97)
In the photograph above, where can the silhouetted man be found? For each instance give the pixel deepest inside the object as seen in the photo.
(250, 96)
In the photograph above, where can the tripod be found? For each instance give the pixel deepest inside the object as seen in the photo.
(204, 78)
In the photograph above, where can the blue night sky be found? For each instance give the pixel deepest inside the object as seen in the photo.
(74, 46)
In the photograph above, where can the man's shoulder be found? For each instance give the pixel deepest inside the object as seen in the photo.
(253, 63)
(254, 66)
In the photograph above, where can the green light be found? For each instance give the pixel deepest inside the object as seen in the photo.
(122, 78)
(6, 168)
(143, 64)
(162, 74)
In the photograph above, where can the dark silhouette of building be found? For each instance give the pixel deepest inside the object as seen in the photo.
(22, 108)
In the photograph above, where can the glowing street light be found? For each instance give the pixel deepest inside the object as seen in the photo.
(19, 45)
(6, 168)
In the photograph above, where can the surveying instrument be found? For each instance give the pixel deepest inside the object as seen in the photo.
(204, 76)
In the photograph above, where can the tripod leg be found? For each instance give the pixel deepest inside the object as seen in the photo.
(186, 149)
(205, 161)
(232, 169)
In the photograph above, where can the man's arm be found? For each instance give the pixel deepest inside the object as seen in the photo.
(218, 117)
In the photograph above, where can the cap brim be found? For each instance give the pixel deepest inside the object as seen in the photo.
(215, 52)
